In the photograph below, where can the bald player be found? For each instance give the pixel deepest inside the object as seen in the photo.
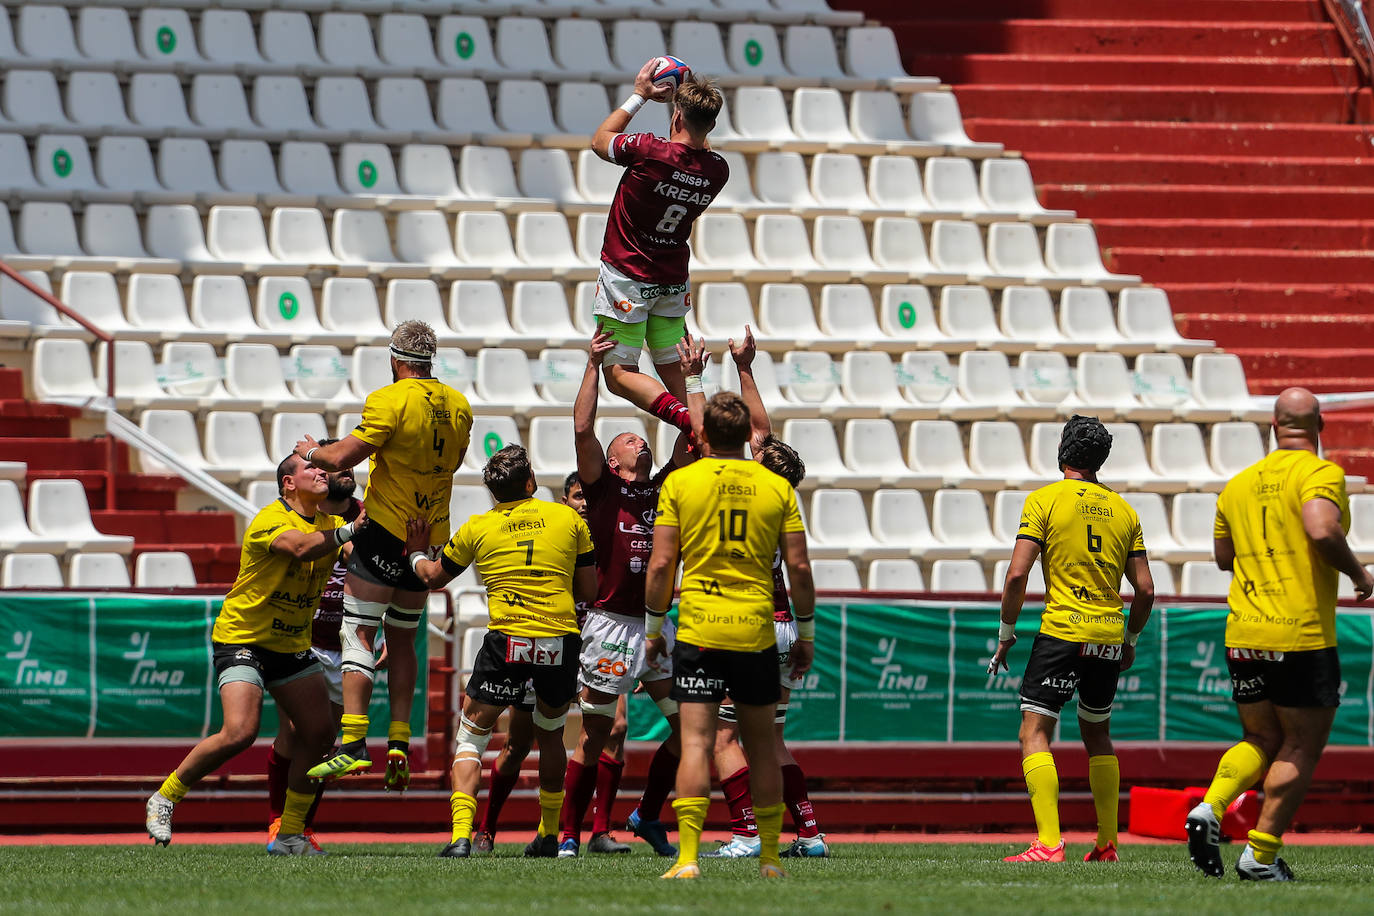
(1280, 528)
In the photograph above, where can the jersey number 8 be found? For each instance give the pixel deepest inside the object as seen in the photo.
(671, 217)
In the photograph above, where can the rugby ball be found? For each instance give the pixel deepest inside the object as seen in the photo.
(669, 71)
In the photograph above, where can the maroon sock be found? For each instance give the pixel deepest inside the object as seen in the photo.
(798, 802)
(314, 806)
(608, 773)
(497, 793)
(578, 785)
(662, 775)
(278, 769)
(670, 410)
(736, 787)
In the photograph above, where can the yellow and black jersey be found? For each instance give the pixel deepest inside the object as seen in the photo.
(1085, 531)
(526, 552)
(1283, 595)
(420, 427)
(730, 515)
(273, 600)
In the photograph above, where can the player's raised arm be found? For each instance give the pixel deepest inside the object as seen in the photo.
(759, 426)
(658, 588)
(433, 573)
(590, 456)
(348, 452)
(618, 120)
(692, 356)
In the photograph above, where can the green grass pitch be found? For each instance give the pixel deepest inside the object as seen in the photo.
(861, 878)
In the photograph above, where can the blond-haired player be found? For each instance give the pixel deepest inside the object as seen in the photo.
(1280, 528)
(1088, 537)
(416, 432)
(725, 517)
(536, 560)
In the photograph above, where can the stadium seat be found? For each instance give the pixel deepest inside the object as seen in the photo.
(835, 575)
(94, 295)
(484, 238)
(899, 518)
(951, 186)
(1071, 251)
(895, 576)
(404, 41)
(722, 250)
(15, 534)
(426, 169)
(1161, 380)
(1027, 314)
(175, 429)
(489, 435)
(174, 231)
(539, 310)
(815, 442)
(752, 51)
(700, 43)
(960, 519)
(504, 383)
(1233, 447)
(97, 570)
(928, 379)
(1085, 314)
(191, 369)
(809, 52)
(847, 314)
(418, 300)
(935, 118)
(877, 117)
(233, 442)
(966, 314)
(220, 304)
(722, 310)
(253, 372)
(31, 570)
(868, 383)
(957, 576)
(361, 240)
(837, 521)
(62, 372)
(1177, 451)
(1035, 578)
(838, 180)
(1162, 575)
(840, 244)
(465, 45)
(289, 428)
(1014, 250)
(95, 101)
(907, 317)
(560, 377)
(871, 448)
(1104, 388)
(112, 230)
(58, 509)
(787, 317)
(780, 179)
(996, 450)
(956, 246)
(366, 170)
(342, 104)
(1193, 515)
(818, 115)
(164, 569)
(550, 445)
(286, 305)
(780, 242)
(238, 234)
(1160, 543)
(31, 99)
(1361, 536)
(348, 305)
(226, 37)
(105, 34)
(1043, 377)
(1127, 467)
(542, 240)
(1202, 578)
(1006, 186)
(402, 104)
(762, 108)
(477, 312)
(166, 35)
(1219, 388)
(871, 52)
(985, 390)
(522, 106)
(371, 369)
(579, 47)
(136, 385)
(548, 174)
(346, 40)
(1006, 514)
(1143, 314)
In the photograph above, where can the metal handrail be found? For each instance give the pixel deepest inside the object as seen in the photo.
(111, 450)
(1352, 22)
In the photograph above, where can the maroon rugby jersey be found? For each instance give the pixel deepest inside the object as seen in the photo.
(324, 629)
(782, 608)
(620, 514)
(665, 188)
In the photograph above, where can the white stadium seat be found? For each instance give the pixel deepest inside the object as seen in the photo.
(1202, 578)
(98, 570)
(957, 576)
(960, 519)
(1233, 447)
(58, 509)
(31, 570)
(15, 534)
(835, 575)
(895, 576)
(164, 569)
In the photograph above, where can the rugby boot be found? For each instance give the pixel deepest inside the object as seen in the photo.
(1251, 870)
(158, 818)
(769, 870)
(458, 849)
(1039, 852)
(272, 830)
(568, 848)
(683, 870)
(651, 832)
(605, 843)
(738, 847)
(484, 842)
(1204, 840)
(291, 844)
(1102, 854)
(809, 847)
(352, 758)
(397, 769)
(315, 848)
(543, 847)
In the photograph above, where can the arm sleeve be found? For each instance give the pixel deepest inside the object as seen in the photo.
(459, 550)
(378, 422)
(1326, 482)
(630, 149)
(791, 518)
(1137, 541)
(1034, 520)
(667, 505)
(1220, 527)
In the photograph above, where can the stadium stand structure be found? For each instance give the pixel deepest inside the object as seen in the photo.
(247, 199)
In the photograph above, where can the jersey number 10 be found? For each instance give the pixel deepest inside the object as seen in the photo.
(734, 525)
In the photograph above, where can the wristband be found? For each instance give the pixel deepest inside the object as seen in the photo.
(653, 622)
(633, 104)
(1007, 631)
(694, 384)
(806, 629)
(343, 534)
(311, 452)
(415, 559)
(1130, 638)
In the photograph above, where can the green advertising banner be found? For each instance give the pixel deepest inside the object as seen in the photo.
(917, 671)
(127, 666)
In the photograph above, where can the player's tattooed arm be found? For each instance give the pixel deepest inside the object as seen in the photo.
(590, 456)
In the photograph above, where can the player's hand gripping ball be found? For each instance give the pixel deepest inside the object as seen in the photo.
(669, 71)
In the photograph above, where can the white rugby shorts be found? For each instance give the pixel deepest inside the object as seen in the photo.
(613, 653)
(330, 660)
(786, 634)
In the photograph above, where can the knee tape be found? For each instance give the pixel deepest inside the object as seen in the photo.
(472, 741)
(355, 656)
(1094, 715)
(404, 618)
(726, 712)
(623, 355)
(554, 723)
(598, 709)
(780, 716)
(667, 706)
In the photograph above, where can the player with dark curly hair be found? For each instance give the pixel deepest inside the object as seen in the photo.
(1089, 536)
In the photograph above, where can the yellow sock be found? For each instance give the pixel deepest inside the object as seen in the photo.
(1265, 845)
(769, 821)
(1042, 782)
(397, 731)
(1239, 769)
(1104, 778)
(173, 789)
(293, 813)
(354, 728)
(691, 818)
(464, 808)
(550, 805)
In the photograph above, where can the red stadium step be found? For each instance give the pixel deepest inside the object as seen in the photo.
(1156, 168)
(1350, 366)
(1111, 70)
(59, 454)
(1137, 102)
(132, 491)
(1209, 201)
(168, 527)
(1348, 429)
(1293, 329)
(1243, 298)
(1182, 139)
(1099, 36)
(20, 418)
(1359, 462)
(1184, 265)
(1312, 235)
(894, 11)
(11, 384)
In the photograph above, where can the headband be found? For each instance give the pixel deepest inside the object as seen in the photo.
(410, 356)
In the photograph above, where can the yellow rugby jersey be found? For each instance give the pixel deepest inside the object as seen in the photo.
(420, 427)
(1283, 594)
(1085, 531)
(273, 600)
(730, 515)
(525, 551)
